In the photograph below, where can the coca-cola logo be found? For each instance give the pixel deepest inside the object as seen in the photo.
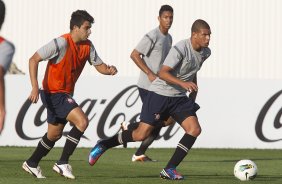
(128, 97)
(260, 123)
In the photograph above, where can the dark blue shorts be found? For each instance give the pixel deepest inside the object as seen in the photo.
(158, 108)
(58, 106)
(143, 94)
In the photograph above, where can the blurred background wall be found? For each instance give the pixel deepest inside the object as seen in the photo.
(245, 34)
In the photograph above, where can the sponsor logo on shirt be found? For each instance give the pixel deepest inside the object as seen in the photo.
(70, 100)
(157, 116)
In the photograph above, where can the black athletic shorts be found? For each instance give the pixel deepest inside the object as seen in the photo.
(58, 106)
(159, 108)
(143, 94)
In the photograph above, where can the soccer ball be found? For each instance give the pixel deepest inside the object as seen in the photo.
(245, 170)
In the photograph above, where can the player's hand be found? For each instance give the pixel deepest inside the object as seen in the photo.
(151, 76)
(112, 70)
(189, 86)
(34, 95)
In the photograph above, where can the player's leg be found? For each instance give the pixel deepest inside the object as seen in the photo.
(129, 126)
(80, 122)
(140, 153)
(125, 125)
(149, 121)
(139, 134)
(132, 126)
(54, 133)
(185, 115)
(47, 142)
(192, 131)
(142, 132)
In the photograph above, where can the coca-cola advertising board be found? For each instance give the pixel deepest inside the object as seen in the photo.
(234, 113)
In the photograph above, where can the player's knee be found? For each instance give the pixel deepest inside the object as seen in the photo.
(141, 137)
(82, 124)
(59, 136)
(195, 131)
(54, 136)
(198, 131)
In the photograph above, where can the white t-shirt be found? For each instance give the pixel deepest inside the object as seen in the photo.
(7, 51)
(186, 62)
(154, 47)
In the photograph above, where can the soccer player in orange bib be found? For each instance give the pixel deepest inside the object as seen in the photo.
(67, 57)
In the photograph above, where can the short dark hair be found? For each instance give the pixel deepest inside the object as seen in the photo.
(79, 17)
(165, 8)
(199, 24)
(2, 12)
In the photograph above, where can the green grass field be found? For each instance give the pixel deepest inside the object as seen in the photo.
(201, 166)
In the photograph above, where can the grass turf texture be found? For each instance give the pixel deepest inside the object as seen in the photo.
(201, 166)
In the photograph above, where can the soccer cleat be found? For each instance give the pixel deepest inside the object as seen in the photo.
(95, 153)
(36, 172)
(171, 174)
(64, 170)
(123, 127)
(142, 158)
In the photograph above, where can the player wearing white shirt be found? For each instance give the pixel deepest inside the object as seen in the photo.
(167, 97)
(149, 55)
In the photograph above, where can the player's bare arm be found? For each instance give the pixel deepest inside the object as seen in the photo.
(2, 99)
(106, 69)
(193, 94)
(165, 74)
(33, 70)
(136, 57)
